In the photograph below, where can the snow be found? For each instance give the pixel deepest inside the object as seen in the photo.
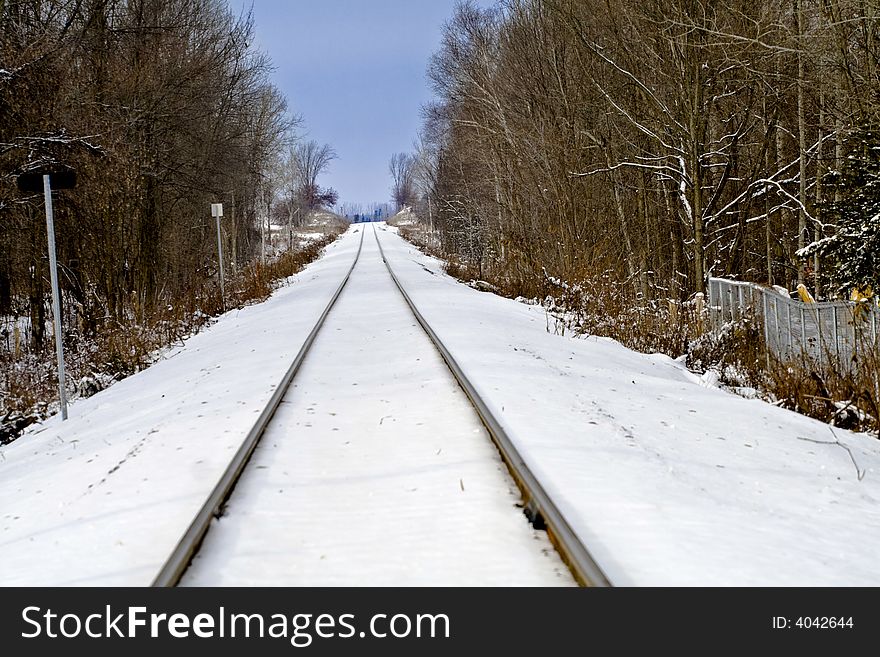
(10, 323)
(376, 470)
(405, 217)
(103, 498)
(310, 237)
(668, 482)
(667, 479)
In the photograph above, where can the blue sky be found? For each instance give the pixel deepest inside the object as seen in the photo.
(355, 71)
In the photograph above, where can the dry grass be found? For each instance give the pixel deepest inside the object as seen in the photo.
(599, 305)
(843, 395)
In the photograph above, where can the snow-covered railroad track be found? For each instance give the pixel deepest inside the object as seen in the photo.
(177, 563)
(539, 507)
(375, 470)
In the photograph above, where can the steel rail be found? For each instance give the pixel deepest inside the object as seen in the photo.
(183, 553)
(539, 506)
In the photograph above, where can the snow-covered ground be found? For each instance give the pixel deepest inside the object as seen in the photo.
(666, 480)
(104, 497)
(317, 225)
(375, 470)
(405, 217)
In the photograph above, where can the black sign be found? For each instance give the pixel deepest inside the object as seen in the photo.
(58, 179)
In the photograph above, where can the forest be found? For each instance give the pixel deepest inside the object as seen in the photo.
(613, 155)
(160, 108)
(666, 141)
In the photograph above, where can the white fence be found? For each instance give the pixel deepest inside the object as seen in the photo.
(821, 330)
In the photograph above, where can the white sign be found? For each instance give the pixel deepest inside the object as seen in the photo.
(216, 209)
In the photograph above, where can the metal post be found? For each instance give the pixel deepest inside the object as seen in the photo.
(790, 343)
(778, 332)
(713, 304)
(728, 292)
(853, 345)
(56, 295)
(803, 330)
(766, 327)
(836, 342)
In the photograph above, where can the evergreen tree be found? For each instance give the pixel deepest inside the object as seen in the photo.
(853, 251)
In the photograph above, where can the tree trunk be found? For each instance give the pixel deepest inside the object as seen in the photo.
(817, 231)
(802, 140)
(35, 305)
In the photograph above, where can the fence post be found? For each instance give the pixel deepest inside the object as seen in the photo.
(790, 341)
(803, 331)
(766, 320)
(834, 321)
(722, 293)
(713, 299)
(853, 351)
(776, 325)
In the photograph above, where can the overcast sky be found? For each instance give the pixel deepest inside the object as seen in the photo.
(355, 71)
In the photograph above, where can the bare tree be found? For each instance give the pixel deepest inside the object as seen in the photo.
(402, 168)
(665, 142)
(166, 100)
(310, 160)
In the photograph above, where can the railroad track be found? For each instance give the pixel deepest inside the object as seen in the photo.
(183, 553)
(538, 505)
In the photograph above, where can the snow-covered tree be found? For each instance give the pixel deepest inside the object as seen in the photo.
(853, 251)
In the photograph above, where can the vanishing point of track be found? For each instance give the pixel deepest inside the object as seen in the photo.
(538, 505)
